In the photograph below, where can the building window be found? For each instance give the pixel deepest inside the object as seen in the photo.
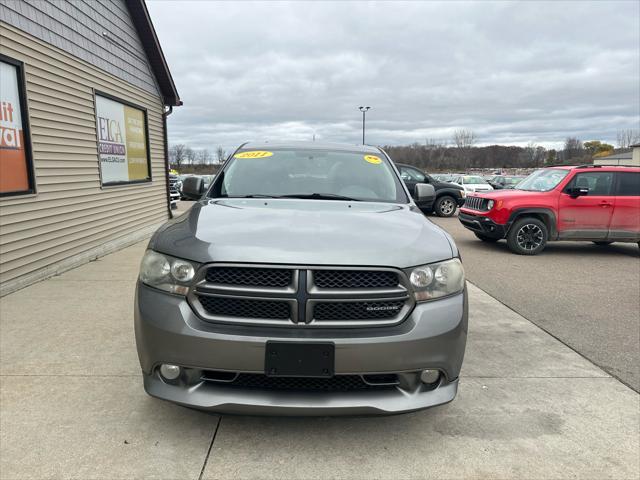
(123, 141)
(16, 161)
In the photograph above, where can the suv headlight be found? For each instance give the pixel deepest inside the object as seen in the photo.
(167, 273)
(437, 279)
(490, 204)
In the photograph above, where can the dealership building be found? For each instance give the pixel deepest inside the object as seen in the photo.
(84, 95)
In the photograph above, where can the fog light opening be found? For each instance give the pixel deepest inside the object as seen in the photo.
(170, 372)
(429, 376)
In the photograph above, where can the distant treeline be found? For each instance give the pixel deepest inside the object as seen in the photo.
(442, 158)
(460, 153)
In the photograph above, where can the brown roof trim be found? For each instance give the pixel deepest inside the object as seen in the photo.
(151, 45)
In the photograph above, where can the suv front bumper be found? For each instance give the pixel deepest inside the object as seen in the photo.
(432, 337)
(483, 225)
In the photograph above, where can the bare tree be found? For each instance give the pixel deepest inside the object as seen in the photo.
(530, 153)
(627, 137)
(189, 155)
(220, 154)
(541, 154)
(203, 157)
(435, 143)
(552, 156)
(534, 154)
(177, 154)
(464, 139)
(573, 148)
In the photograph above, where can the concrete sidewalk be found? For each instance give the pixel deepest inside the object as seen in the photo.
(72, 405)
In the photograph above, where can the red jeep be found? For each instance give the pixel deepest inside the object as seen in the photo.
(594, 203)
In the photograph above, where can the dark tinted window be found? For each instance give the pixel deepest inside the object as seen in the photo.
(409, 174)
(598, 183)
(628, 184)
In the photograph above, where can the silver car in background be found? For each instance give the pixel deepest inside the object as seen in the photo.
(304, 281)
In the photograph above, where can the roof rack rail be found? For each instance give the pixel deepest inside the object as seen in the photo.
(608, 165)
(589, 165)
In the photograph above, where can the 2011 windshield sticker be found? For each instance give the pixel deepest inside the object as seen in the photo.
(373, 159)
(254, 154)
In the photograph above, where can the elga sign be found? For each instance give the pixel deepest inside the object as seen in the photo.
(14, 174)
(122, 142)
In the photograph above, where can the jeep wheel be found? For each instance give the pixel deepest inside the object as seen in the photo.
(528, 236)
(602, 244)
(445, 206)
(484, 238)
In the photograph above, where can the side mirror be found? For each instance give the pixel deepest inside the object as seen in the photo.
(575, 192)
(425, 193)
(193, 187)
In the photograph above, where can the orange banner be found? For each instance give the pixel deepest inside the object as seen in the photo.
(13, 165)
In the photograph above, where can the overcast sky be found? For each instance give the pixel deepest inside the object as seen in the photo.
(512, 72)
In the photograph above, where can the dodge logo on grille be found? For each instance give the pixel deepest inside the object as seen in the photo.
(382, 307)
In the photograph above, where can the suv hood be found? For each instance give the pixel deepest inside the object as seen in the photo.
(455, 186)
(502, 193)
(304, 232)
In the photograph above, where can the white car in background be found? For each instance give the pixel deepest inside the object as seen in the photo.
(472, 183)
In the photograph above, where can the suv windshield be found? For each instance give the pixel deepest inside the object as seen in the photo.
(472, 179)
(310, 173)
(542, 180)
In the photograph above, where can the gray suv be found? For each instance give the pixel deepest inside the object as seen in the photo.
(304, 281)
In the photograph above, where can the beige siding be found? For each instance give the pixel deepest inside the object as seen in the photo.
(71, 214)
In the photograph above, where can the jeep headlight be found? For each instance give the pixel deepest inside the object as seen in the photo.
(490, 204)
(437, 279)
(167, 273)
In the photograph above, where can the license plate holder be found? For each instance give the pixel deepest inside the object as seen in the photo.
(293, 359)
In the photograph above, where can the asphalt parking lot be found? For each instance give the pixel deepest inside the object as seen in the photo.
(585, 295)
(72, 404)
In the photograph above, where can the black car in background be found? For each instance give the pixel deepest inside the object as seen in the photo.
(448, 195)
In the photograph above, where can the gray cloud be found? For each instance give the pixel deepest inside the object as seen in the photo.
(513, 72)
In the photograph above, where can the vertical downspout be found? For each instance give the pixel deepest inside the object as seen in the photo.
(167, 166)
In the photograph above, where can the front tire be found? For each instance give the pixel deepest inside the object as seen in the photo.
(484, 238)
(445, 206)
(527, 236)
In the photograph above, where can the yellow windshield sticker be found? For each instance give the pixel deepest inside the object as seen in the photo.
(373, 159)
(254, 154)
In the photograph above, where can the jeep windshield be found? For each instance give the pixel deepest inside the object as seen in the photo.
(542, 180)
(309, 174)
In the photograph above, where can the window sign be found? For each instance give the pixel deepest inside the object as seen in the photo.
(15, 154)
(122, 142)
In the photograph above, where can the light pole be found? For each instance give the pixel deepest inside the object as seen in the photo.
(364, 111)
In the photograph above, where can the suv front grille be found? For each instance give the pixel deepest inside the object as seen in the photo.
(250, 277)
(356, 310)
(244, 308)
(337, 383)
(355, 279)
(303, 296)
(476, 203)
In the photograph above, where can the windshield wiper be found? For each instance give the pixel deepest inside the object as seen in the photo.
(321, 196)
